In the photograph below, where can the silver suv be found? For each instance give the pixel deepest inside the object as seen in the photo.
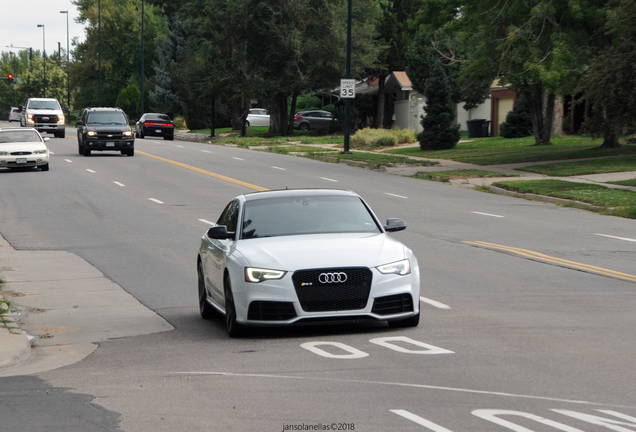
(45, 115)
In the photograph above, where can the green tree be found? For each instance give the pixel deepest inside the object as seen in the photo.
(120, 48)
(438, 131)
(608, 86)
(518, 122)
(538, 47)
(129, 100)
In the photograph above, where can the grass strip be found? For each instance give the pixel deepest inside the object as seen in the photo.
(373, 159)
(497, 150)
(618, 202)
(445, 176)
(594, 166)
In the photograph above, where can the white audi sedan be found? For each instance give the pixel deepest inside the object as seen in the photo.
(305, 256)
(21, 148)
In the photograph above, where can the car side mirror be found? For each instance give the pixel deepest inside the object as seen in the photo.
(394, 224)
(220, 232)
(67, 109)
(80, 123)
(46, 139)
(20, 108)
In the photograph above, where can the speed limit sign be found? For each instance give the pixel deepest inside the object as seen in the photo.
(347, 88)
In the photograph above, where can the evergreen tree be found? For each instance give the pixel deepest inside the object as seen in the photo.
(518, 122)
(439, 132)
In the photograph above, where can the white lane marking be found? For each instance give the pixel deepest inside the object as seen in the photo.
(156, 142)
(428, 349)
(206, 151)
(155, 200)
(119, 184)
(180, 146)
(279, 168)
(618, 238)
(328, 179)
(50, 152)
(90, 171)
(68, 160)
(486, 214)
(354, 353)
(394, 195)
(206, 221)
(420, 421)
(434, 303)
(399, 384)
(237, 158)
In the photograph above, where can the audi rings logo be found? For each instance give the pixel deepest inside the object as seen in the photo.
(327, 278)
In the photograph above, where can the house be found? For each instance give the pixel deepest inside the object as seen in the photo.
(406, 106)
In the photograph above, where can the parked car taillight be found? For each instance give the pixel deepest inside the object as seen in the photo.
(297, 118)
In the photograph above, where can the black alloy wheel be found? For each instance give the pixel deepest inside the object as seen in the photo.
(304, 127)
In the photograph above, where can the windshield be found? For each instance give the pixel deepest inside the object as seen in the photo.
(19, 136)
(115, 117)
(44, 105)
(306, 215)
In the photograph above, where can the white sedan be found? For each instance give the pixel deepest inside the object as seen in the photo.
(23, 148)
(305, 256)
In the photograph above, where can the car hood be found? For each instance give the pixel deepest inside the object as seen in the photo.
(108, 128)
(52, 112)
(321, 251)
(22, 147)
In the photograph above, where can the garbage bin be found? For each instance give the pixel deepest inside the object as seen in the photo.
(475, 127)
(485, 129)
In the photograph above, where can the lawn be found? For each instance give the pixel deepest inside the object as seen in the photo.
(445, 176)
(497, 150)
(594, 166)
(618, 202)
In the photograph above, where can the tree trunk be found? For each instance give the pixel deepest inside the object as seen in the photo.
(610, 138)
(381, 101)
(292, 112)
(236, 114)
(541, 111)
(278, 120)
(557, 125)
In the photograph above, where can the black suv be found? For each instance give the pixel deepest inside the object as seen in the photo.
(102, 129)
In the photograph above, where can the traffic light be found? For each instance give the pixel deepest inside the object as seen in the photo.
(10, 78)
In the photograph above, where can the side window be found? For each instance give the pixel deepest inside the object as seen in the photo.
(229, 217)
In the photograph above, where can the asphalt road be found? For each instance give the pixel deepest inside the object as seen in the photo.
(527, 311)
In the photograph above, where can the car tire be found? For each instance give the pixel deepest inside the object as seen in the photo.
(44, 167)
(80, 150)
(131, 152)
(86, 151)
(141, 134)
(408, 322)
(205, 309)
(62, 134)
(234, 329)
(303, 127)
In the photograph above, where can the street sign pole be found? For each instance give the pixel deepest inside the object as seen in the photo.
(348, 76)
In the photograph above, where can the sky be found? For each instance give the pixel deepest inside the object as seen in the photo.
(19, 21)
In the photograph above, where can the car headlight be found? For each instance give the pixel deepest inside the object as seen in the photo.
(30, 118)
(399, 267)
(4, 153)
(91, 133)
(256, 275)
(127, 133)
(60, 118)
(39, 152)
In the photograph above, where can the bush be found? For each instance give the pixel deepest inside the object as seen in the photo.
(404, 136)
(179, 123)
(376, 137)
(518, 122)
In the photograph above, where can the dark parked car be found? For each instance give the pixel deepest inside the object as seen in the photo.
(104, 129)
(306, 120)
(154, 124)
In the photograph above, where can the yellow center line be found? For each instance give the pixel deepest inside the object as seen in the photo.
(208, 173)
(559, 261)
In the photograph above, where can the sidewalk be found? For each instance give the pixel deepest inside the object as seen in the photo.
(61, 307)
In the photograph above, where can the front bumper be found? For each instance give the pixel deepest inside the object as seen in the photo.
(276, 303)
(109, 145)
(23, 161)
(47, 127)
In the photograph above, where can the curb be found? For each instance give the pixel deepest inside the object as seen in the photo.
(14, 343)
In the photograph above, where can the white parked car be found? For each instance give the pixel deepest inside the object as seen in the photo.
(21, 148)
(305, 256)
(258, 117)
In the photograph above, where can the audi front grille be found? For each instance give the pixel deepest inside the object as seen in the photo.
(333, 289)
